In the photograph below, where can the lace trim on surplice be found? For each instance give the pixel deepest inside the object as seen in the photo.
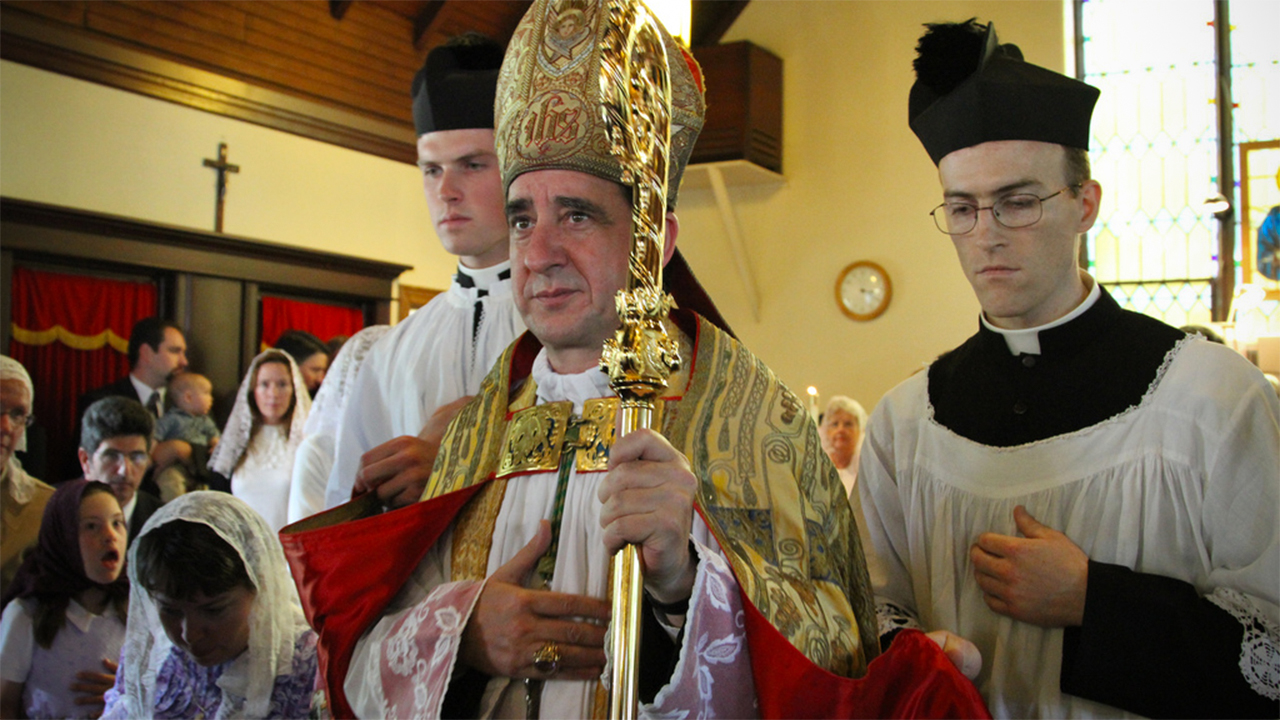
(1260, 646)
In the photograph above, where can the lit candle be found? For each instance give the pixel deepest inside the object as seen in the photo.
(813, 402)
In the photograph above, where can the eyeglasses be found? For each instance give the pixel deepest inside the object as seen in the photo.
(115, 458)
(18, 416)
(1011, 211)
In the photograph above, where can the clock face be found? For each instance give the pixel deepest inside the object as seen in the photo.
(863, 290)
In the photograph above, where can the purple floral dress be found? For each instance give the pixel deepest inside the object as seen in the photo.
(186, 690)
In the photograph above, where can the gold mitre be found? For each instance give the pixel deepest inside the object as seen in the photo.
(547, 108)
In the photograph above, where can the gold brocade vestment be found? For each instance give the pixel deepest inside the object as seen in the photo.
(767, 491)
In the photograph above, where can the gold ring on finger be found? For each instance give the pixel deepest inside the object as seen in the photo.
(546, 659)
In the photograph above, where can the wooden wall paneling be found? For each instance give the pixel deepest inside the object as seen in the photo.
(744, 105)
(216, 21)
(497, 19)
(6, 299)
(219, 305)
(422, 21)
(214, 339)
(338, 8)
(270, 53)
(711, 19)
(413, 297)
(250, 324)
(350, 37)
(287, 64)
(102, 238)
(366, 28)
(182, 310)
(71, 12)
(61, 48)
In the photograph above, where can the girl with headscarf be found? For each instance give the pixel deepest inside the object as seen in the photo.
(314, 460)
(65, 624)
(22, 497)
(262, 436)
(215, 628)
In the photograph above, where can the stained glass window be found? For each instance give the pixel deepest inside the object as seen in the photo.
(1155, 146)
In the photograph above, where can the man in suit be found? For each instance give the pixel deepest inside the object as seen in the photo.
(157, 352)
(115, 448)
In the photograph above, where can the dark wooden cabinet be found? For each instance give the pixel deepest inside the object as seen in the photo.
(744, 105)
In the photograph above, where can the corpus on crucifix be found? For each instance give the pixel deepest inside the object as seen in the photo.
(222, 167)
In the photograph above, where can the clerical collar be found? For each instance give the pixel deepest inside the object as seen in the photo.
(578, 387)
(483, 278)
(1026, 341)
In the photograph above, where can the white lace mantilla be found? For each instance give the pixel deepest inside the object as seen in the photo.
(1260, 646)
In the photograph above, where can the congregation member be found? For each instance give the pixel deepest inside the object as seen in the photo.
(214, 629)
(186, 431)
(64, 615)
(494, 603)
(115, 448)
(442, 351)
(262, 435)
(314, 460)
(310, 354)
(1085, 494)
(157, 353)
(842, 424)
(22, 497)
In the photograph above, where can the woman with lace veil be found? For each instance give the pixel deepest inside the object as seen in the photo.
(215, 629)
(262, 436)
(314, 460)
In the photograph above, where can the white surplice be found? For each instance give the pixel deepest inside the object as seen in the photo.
(432, 358)
(1183, 485)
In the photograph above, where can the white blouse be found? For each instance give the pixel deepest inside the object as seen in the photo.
(265, 474)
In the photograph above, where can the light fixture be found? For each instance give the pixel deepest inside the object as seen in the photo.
(1218, 206)
(675, 16)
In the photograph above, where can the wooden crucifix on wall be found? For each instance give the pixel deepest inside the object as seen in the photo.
(222, 167)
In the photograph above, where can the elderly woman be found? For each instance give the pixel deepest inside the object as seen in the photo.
(841, 432)
(262, 435)
(841, 428)
(22, 497)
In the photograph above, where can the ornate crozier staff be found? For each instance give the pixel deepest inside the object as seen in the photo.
(635, 91)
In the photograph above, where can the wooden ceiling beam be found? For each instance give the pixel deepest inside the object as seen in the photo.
(711, 19)
(422, 21)
(338, 8)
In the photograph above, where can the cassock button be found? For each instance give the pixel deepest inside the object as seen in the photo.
(1028, 361)
(1019, 408)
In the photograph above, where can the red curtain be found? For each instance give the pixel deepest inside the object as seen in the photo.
(323, 321)
(71, 332)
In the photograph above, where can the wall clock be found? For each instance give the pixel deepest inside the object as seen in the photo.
(863, 290)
